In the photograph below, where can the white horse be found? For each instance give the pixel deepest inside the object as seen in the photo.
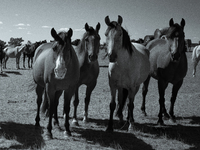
(195, 58)
(129, 66)
(14, 52)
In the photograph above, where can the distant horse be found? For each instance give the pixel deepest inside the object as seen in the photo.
(30, 53)
(195, 58)
(128, 67)
(168, 65)
(56, 69)
(2, 56)
(14, 52)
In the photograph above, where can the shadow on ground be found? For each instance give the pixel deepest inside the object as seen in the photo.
(27, 135)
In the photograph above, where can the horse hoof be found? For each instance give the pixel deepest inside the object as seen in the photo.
(85, 120)
(67, 134)
(48, 136)
(166, 116)
(144, 113)
(160, 123)
(37, 125)
(109, 129)
(75, 122)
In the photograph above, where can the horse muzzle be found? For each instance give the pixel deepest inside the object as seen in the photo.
(60, 73)
(93, 58)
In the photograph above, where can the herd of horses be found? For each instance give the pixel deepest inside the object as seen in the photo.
(59, 67)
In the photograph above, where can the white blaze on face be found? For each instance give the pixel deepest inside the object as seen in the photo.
(60, 69)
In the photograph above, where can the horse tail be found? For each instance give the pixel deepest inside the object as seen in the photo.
(45, 106)
(31, 86)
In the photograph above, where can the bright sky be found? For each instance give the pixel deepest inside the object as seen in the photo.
(33, 19)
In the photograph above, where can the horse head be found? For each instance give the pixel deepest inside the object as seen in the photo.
(116, 38)
(91, 40)
(176, 36)
(62, 50)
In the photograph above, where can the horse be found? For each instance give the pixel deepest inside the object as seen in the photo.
(129, 66)
(195, 58)
(30, 53)
(168, 64)
(2, 56)
(87, 53)
(56, 69)
(14, 52)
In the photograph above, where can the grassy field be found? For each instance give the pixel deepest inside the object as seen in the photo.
(18, 111)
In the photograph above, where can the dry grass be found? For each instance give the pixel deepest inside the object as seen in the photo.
(18, 110)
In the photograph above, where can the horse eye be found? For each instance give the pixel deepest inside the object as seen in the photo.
(86, 39)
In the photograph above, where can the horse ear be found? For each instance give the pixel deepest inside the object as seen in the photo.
(98, 27)
(70, 32)
(54, 34)
(86, 27)
(120, 19)
(107, 20)
(183, 22)
(171, 22)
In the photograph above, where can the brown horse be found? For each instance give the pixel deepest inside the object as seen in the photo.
(128, 67)
(168, 65)
(56, 69)
(87, 52)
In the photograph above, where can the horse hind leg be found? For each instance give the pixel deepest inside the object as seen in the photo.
(39, 92)
(144, 93)
(175, 90)
(89, 90)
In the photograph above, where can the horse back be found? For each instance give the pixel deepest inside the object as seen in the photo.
(196, 54)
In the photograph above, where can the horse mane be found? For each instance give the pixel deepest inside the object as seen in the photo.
(126, 41)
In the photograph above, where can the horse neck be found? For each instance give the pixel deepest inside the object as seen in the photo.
(82, 53)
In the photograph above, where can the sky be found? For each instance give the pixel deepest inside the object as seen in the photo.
(33, 19)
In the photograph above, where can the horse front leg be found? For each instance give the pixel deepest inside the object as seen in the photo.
(5, 61)
(131, 95)
(195, 62)
(122, 96)
(51, 96)
(144, 93)
(39, 91)
(24, 58)
(162, 85)
(113, 90)
(89, 90)
(67, 100)
(56, 102)
(75, 103)
(175, 90)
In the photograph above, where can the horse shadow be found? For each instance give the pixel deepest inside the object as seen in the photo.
(116, 140)
(13, 72)
(26, 135)
(186, 133)
(3, 74)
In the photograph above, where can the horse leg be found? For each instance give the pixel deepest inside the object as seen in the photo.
(75, 102)
(162, 85)
(56, 102)
(24, 57)
(51, 96)
(132, 93)
(175, 90)
(112, 105)
(39, 91)
(5, 61)
(144, 93)
(67, 100)
(194, 67)
(89, 90)
(122, 96)
(29, 62)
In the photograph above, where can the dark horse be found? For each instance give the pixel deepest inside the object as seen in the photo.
(87, 52)
(168, 65)
(56, 69)
(30, 53)
(2, 56)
